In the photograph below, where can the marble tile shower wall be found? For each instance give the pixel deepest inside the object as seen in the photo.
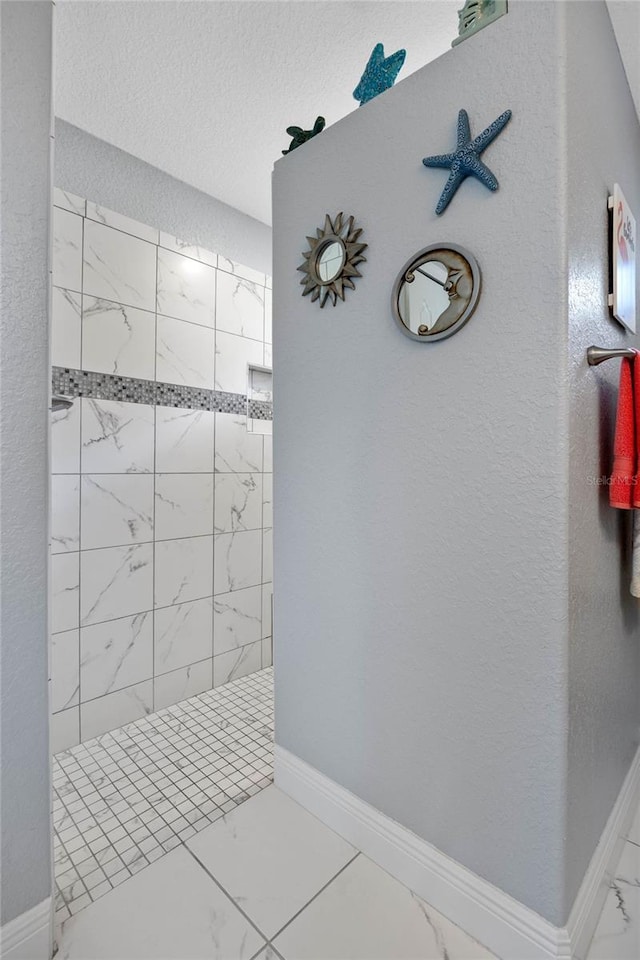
(161, 515)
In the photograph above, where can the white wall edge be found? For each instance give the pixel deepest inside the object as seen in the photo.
(505, 926)
(28, 937)
(589, 902)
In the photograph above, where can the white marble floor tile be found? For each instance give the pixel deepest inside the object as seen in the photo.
(69, 201)
(267, 594)
(240, 270)
(184, 353)
(182, 683)
(67, 249)
(184, 505)
(65, 439)
(65, 670)
(186, 288)
(236, 450)
(115, 654)
(65, 591)
(268, 954)
(65, 513)
(184, 440)
(123, 800)
(171, 910)
(64, 729)
(617, 935)
(117, 509)
(117, 437)
(65, 328)
(118, 339)
(116, 582)
(239, 306)
(237, 560)
(272, 856)
(237, 663)
(118, 266)
(364, 914)
(112, 219)
(183, 570)
(188, 249)
(183, 634)
(238, 502)
(115, 709)
(234, 354)
(237, 619)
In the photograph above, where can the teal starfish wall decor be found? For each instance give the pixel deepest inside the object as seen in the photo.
(379, 73)
(465, 160)
(301, 136)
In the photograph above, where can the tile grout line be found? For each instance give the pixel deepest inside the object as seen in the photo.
(82, 221)
(315, 897)
(236, 905)
(246, 694)
(155, 474)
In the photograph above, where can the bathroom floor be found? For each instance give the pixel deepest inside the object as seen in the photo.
(126, 798)
(271, 881)
(223, 879)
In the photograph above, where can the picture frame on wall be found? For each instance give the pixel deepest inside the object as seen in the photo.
(623, 260)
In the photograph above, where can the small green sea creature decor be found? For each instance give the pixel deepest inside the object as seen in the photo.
(301, 136)
(379, 74)
(477, 14)
(465, 160)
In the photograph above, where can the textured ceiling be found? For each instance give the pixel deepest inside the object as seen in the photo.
(205, 90)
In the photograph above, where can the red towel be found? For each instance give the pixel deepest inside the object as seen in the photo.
(623, 489)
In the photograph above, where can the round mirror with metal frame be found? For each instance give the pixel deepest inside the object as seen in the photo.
(331, 262)
(436, 292)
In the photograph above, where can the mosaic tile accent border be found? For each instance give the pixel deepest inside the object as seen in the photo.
(105, 386)
(260, 410)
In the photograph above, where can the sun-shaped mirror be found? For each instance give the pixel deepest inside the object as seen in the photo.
(331, 262)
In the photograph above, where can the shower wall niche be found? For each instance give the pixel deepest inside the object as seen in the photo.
(161, 471)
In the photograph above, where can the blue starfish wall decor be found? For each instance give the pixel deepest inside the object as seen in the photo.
(379, 73)
(465, 161)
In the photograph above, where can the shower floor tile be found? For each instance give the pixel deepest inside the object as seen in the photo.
(129, 796)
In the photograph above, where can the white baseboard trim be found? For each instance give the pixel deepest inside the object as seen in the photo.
(593, 890)
(505, 926)
(28, 937)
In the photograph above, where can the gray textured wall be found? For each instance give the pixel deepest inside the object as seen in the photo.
(24, 389)
(101, 172)
(603, 139)
(421, 543)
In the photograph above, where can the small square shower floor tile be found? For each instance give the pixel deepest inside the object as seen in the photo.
(132, 795)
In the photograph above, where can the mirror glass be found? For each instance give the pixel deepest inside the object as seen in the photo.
(436, 292)
(424, 300)
(330, 261)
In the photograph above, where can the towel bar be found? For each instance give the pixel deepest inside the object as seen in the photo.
(596, 355)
